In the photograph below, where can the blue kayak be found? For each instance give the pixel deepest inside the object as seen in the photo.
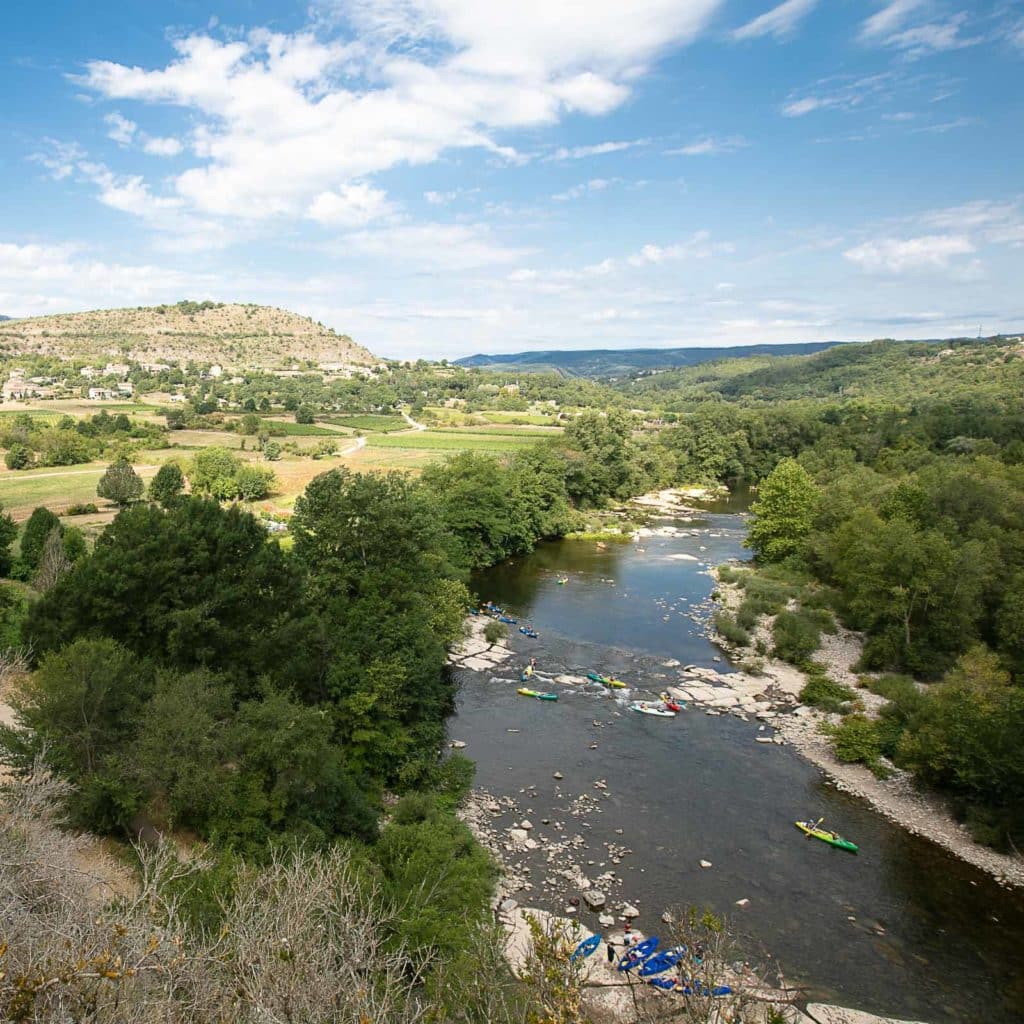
(531, 633)
(665, 983)
(505, 618)
(660, 962)
(638, 954)
(585, 948)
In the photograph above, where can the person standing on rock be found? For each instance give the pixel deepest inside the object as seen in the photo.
(611, 952)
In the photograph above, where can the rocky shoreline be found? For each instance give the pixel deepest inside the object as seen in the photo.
(800, 725)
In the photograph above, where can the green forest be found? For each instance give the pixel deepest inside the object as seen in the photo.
(191, 674)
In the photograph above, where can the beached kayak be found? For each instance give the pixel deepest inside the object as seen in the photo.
(645, 707)
(585, 948)
(637, 954)
(660, 962)
(536, 693)
(811, 828)
(615, 684)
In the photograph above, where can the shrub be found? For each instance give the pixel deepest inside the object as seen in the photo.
(827, 694)
(731, 630)
(18, 457)
(81, 509)
(796, 635)
(495, 631)
(856, 740)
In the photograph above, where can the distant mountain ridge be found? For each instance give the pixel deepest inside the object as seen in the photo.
(622, 362)
(235, 335)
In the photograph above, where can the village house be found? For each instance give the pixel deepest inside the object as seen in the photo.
(100, 394)
(116, 370)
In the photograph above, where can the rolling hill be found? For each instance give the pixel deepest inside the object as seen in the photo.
(244, 336)
(623, 362)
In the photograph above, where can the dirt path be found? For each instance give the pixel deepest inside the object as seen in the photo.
(412, 423)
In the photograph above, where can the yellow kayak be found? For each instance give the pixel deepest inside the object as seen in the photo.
(810, 828)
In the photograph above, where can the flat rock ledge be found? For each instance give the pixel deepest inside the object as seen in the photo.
(475, 652)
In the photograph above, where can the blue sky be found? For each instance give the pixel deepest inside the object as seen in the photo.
(440, 177)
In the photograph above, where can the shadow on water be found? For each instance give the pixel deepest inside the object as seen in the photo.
(902, 928)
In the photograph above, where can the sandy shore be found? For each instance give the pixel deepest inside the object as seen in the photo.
(896, 798)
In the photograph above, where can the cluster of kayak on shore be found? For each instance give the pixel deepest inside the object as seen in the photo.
(645, 961)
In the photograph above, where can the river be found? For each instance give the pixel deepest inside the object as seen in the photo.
(902, 928)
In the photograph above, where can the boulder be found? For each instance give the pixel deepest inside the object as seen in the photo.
(595, 899)
(743, 903)
(606, 920)
(517, 835)
(822, 1013)
(458, 745)
(526, 825)
(630, 911)
(705, 863)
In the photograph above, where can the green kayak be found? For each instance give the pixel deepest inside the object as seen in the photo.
(811, 828)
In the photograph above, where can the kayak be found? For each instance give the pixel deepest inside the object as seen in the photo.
(810, 828)
(536, 693)
(672, 705)
(526, 631)
(615, 684)
(660, 962)
(505, 618)
(647, 708)
(638, 954)
(585, 948)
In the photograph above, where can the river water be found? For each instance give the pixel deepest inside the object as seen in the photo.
(902, 928)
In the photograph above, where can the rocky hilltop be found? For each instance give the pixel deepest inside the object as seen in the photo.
(232, 334)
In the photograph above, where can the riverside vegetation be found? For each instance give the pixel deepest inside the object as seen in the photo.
(279, 707)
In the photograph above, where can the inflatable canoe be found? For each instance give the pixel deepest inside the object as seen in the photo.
(659, 963)
(811, 829)
(536, 693)
(527, 631)
(647, 708)
(637, 954)
(585, 948)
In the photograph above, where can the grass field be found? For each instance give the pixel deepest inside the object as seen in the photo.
(56, 488)
(369, 422)
(453, 441)
(292, 429)
(507, 430)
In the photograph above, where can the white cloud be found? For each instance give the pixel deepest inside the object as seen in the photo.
(59, 158)
(441, 198)
(841, 92)
(698, 246)
(599, 149)
(584, 188)
(38, 278)
(899, 255)
(433, 245)
(710, 145)
(121, 130)
(894, 26)
(349, 206)
(887, 20)
(281, 118)
(779, 22)
(162, 146)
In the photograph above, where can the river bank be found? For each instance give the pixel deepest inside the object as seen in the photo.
(800, 725)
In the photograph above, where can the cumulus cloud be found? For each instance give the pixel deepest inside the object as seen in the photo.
(281, 118)
(779, 22)
(120, 129)
(39, 278)
(162, 146)
(899, 255)
(349, 206)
